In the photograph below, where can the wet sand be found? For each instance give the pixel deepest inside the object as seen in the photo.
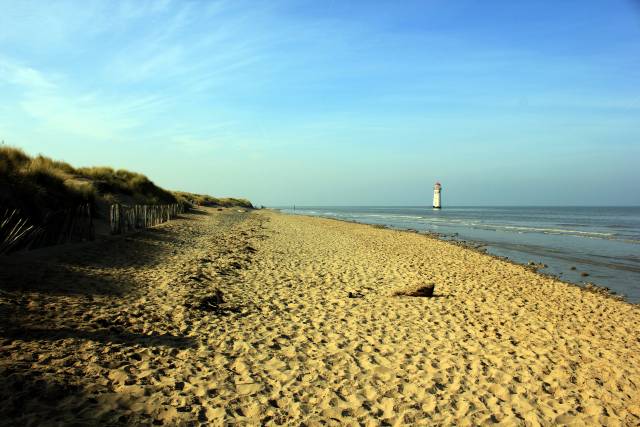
(265, 319)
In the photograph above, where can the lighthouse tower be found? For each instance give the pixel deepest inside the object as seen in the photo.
(437, 189)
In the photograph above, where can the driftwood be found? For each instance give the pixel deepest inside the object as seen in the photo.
(420, 291)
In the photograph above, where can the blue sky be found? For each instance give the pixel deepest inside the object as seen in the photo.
(331, 102)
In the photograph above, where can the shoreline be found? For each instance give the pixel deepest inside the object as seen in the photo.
(477, 247)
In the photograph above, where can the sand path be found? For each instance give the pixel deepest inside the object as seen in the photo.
(309, 332)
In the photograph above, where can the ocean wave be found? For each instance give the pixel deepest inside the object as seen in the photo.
(400, 220)
(388, 216)
(523, 229)
(555, 230)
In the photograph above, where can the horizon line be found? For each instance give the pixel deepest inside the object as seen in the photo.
(449, 206)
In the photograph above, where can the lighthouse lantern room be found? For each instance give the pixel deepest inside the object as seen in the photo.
(437, 189)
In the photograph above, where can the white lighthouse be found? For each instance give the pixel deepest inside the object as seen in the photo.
(437, 189)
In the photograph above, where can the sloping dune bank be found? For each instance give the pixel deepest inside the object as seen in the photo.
(262, 318)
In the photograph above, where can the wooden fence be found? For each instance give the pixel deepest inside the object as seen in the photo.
(128, 218)
(57, 227)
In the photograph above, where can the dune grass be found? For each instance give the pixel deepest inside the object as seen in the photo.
(109, 181)
(38, 185)
(205, 200)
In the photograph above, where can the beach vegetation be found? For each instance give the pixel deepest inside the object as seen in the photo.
(194, 199)
(38, 185)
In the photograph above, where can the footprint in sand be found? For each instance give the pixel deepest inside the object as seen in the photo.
(248, 389)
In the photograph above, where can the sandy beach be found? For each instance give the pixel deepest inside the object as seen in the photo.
(260, 318)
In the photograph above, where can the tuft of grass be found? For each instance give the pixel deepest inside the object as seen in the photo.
(85, 189)
(12, 159)
(38, 185)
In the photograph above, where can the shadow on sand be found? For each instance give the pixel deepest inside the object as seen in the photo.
(60, 402)
(85, 269)
(196, 211)
(114, 335)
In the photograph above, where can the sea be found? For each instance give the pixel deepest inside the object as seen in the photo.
(603, 242)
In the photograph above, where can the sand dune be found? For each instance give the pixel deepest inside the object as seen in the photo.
(261, 318)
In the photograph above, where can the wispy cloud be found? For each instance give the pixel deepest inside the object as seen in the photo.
(58, 107)
(14, 73)
(191, 51)
(78, 116)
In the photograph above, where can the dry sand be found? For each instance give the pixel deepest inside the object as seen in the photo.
(305, 330)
